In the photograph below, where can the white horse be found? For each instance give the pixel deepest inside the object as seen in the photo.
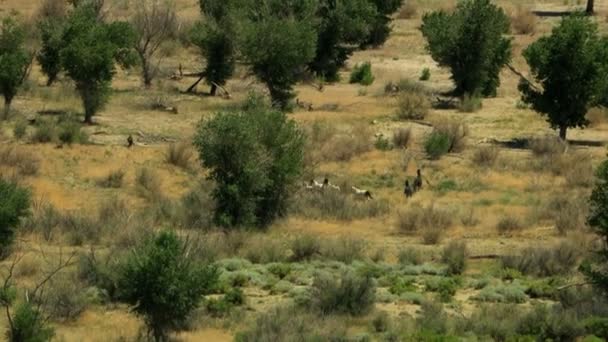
(362, 193)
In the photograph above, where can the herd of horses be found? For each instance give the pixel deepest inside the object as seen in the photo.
(409, 189)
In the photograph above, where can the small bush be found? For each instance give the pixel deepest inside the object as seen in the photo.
(263, 250)
(425, 75)
(504, 293)
(305, 248)
(455, 256)
(445, 287)
(148, 184)
(523, 21)
(436, 145)
(113, 180)
(26, 163)
(344, 249)
(336, 205)
(381, 322)
(402, 137)
(69, 132)
(20, 129)
(568, 212)
(46, 131)
(597, 116)
(486, 156)
(470, 103)
(362, 74)
(179, 155)
(416, 218)
(468, 218)
(14, 206)
(509, 224)
(29, 324)
(409, 256)
(412, 106)
(195, 209)
(448, 136)
(544, 261)
(547, 146)
(432, 318)
(347, 294)
(383, 144)
(406, 85)
(65, 298)
(432, 236)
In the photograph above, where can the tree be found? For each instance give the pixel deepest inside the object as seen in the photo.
(344, 25)
(51, 31)
(255, 158)
(590, 6)
(470, 41)
(570, 67)
(278, 40)
(15, 60)
(381, 28)
(597, 272)
(164, 283)
(154, 22)
(15, 205)
(215, 36)
(91, 50)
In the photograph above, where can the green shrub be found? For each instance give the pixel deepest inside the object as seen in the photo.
(409, 256)
(432, 318)
(412, 106)
(46, 131)
(425, 75)
(344, 249)
(383, 144)
(445, 287)
(195, 209)
(29, 324)
(455, 256)
(362, 74)
(544, 261)
(144, 281)
(381, 322)
(14, 206)
(436, 144)
(305, 248)
(470, 103)
(69, 132)
(597, 326)
(504, 293)
(348, 293)
(401, 285)
(20, 129)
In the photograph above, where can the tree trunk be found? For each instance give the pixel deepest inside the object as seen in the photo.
(590, 6)
(50, 80)
(7, 107)
(213, 90)
(562, 132)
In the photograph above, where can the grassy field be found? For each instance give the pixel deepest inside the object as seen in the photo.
(520, 211)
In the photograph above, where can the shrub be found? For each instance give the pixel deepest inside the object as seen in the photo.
(568, 211)
(406, 85)
(509, 224)
(347, 294)
(29, 324)
(46, 131)
(20, 129)
(425, 75)
(14, 207)
(344, 249)
(432, 236)
(383, 144)
(471, 42)
(523, 21)
(362, 74)
(402, 137)
(113, 180)
(263, 250)
(486, 156)
(412, 106)
(455, 255)
(445, 288)
(26, 163)
(305, 247)
(255, 158)
(544, 261)
(144, 282)
(195, 209)
(470, 103)
(436, 144)
(69, 131)
(415, 218)
(432, 318)
(448, 136)
(179, 155)
(408, 11)
(148, 184)
(507, 293)
(65, 299)
(409, 256)
(468, 218)
(547, 146)
(381, 322)
(336, 205)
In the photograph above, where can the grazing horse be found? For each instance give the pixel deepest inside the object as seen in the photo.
(418, 181)
(408, 189)
(363, 193)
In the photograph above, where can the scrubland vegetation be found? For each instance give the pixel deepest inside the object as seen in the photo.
(356, 170)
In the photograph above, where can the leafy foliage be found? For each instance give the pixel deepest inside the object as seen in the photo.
(362, 74)
(29, 325)
(51, 30)
(470, 42)
(14, 60)
(350, 293)
(164, 283)
(255, 158)
(14, 205)
(381, 28)
(570, 66)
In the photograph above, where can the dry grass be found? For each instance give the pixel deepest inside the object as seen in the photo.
(345, 146)
(412, 106)
(547, 146)
(485, 156)
(597, 116)
(113, 180)
(24, 162)
(428, 219)
(523, 21)
(402, 137)
(408, 11)
(180, 155)
(456, 131)
(148, 184)
(567, 210)
(508, 225)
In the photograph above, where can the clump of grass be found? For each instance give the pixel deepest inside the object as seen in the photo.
(20, 129)
(547, 146)
(470, 103)
(26, 163)
(468, 218)
(509, 224)
(305, 247)
(425, 75)
(412, 106)
(344, 249)
(416, 218)
(345, 146)
(523, 21)
(402, 137)
(409, 256)
(406, 85)
(485, 156)
(383, 144)
(179, 155)
(113, 180)
(336, 205)
(362, 74)
(567, 210)
(560, 259)
(69, 131)
(448, 136)
(264, 250)
(432, 236)
(45, 132)
(195, 209)
(347, 294)
(455, 255)
(148, 184)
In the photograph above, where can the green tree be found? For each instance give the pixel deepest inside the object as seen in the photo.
(381, 25)
(343, 25)
(255, 158)
(51, 32)
(15, 60)
(470, 41)
(164, 283)
(278, 40)
(570, 66)
(91, 50)
(216, 39)
(15, 204)
(597, 271)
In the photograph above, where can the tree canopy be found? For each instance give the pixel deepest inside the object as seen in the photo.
(14, 60)
(15, 204)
